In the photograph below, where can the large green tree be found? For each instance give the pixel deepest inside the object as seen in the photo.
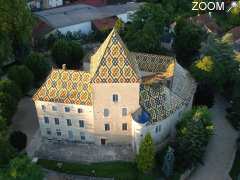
(22, 76)
(21, 168)
(188, 38)
(5, 48)
(16, 22)
(8, 105)
(11, 88)
(67, 52)
(143, 34)
(145, 157)
(193, 134)
(38, 64)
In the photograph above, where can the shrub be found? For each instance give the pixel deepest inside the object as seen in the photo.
(193, 134)
(145, 157)
(38, 64)
(11, 88)
(18, 140)
(22, 76)
(67, 52)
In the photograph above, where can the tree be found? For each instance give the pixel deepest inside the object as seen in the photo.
(17, 22)
(21, 168)
(188, 38)
(11, 88)
(5, 48)
(193, 134)
(8, 105)
(38, 64)
(18, 140)
(22, 76)
(225, 66)
(6, 150)
(144, 33)
(145, 157)
(67, 52)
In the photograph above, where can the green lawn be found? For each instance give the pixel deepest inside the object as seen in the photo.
(235, 171)
(118, 170)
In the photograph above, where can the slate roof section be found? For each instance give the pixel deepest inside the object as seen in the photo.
(113, 62)
(66, 86)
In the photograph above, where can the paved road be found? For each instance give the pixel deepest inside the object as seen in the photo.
(25, 119)
(221, 147)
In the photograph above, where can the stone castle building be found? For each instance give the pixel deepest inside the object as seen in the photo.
(118, 100)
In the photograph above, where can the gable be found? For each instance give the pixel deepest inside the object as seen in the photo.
(115, 65)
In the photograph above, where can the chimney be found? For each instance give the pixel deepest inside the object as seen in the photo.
(64, 67)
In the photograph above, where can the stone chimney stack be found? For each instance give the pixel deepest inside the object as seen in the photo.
(64, 67)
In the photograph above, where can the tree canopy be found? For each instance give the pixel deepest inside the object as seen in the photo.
(16, 23)
(22, 76)
(38, 64)
(193, 133)
(187, 43)
(143, 34)
(21, 168)
(67, 52)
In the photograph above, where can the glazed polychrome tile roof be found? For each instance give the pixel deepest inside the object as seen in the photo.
(66, 86)
(159, 101)
(113, 63)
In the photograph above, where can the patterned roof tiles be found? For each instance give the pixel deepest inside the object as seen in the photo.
(113, 63)
(159, 101)
(155, 63)
(66, 86)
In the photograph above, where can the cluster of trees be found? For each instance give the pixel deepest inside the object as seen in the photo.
(193, 134)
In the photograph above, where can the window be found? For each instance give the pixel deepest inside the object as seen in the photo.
(67, 109)
(49, 131)
(69, 122)
(115, 98)
(82, 136)
(81, 123)
(106, 112)
(58, 132)
(124, 126)
(80, 110)
(46, 120)
(70, 134)
(124, 111)
(54, 108)
(107, 127)
(158, 128)
(56, 121)
(43, 108)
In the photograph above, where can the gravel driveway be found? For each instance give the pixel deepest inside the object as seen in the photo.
(221, 148)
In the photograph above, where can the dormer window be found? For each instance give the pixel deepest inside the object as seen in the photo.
(115, 98)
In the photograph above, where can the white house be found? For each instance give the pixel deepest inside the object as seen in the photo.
(79, 17)
(118, 100)
(44, 4)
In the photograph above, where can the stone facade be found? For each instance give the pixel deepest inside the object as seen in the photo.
(124, 96)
